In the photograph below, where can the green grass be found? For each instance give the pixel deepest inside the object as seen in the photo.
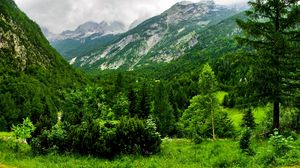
(180, 153)
(236, 115)
(6, 134)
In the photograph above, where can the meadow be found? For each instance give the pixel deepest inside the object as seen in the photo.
(179, 153)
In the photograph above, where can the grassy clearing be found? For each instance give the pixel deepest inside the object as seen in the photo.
(175, 153)
(236, 115)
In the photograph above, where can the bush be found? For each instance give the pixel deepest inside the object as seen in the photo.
(136, 136)
(23, 131)
(99, 137)
(245, 141)
(280, 144)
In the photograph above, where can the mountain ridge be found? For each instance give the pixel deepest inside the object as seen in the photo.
(162, 38)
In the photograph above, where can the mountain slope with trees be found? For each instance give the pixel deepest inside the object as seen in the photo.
(32, 72)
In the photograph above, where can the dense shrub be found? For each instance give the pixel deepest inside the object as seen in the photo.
(137, 136)
(105, 138)
(245, 141)
(280, 144)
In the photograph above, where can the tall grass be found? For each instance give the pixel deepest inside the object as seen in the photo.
(180, 153)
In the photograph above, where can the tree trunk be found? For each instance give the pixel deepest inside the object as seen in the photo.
(212, 119)
(276, 115)
(213, 126)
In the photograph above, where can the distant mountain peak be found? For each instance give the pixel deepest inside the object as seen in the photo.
(184, 3)
(89, 29)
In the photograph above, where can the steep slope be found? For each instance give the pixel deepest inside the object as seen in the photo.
(214, 42)
(85, 38)
(32, 73)
(163, 38)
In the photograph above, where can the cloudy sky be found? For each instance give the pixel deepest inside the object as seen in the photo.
(59, 15)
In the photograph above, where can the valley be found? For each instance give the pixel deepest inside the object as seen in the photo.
(199, 85)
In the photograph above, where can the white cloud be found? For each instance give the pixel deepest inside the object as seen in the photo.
(59, 15)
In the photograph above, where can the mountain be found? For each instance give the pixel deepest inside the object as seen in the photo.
(160, 39)
(32, 73)
(49, 35)
(87, 30)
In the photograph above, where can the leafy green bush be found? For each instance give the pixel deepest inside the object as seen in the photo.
(136, 136)
(280, 144)
(23, 131)
(105, 138)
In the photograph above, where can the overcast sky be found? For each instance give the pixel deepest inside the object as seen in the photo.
(59, 15)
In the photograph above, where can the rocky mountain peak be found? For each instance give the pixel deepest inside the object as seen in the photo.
(186, 10)
(88, 29)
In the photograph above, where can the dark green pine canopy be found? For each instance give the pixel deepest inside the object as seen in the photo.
(272, 33)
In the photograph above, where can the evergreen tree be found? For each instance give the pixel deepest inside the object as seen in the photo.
(145, 103)
(163, 111)
(272, 31)
(119, 83)
(248, 119)
(132, 102)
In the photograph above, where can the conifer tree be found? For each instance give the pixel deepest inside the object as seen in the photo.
(163, 111)
(145, 103)
(248, 119)
(132, 102)
(272, 32)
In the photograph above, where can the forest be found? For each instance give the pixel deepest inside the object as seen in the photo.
(240, 108)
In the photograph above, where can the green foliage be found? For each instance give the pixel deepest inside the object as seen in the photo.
(23, 131)
(248, 120)
(100, 138)
(145, 102)
(197, 119)
(135, 136)
(272, 56)
(228, 101)
(85, 105)
(245, 141)
(163, 111)
(133, 102)
(121, 106)
(280, 144)
(207, 81)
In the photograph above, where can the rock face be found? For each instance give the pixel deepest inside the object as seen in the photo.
(89, 29)
(163, 38)
(23, 45)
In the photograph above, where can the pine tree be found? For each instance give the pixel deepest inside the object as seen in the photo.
(248, 119)
(132, 102)
(272, 32)
(119, 83)
(163, 111)
(145, 103)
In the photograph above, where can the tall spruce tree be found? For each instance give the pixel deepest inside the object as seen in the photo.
(132, 102)
(163, 111)
(272, 33)
(145, 102)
